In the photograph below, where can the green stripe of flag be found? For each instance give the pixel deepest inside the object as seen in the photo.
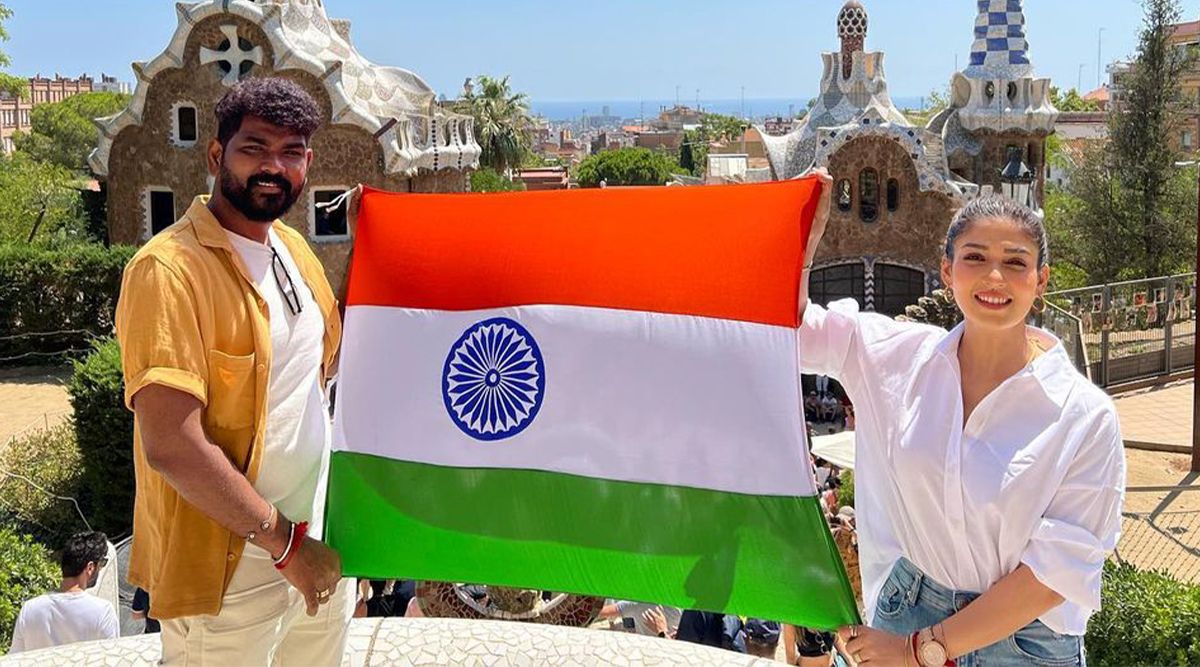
(765, 556)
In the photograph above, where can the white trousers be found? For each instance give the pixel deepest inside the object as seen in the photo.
(262, 623)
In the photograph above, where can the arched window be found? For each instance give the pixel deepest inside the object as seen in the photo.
(841, 281)
(893, 195)
(897, 287)
(844, 198)
(868, 195)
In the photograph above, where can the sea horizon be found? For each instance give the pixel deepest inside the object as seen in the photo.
(572, 110)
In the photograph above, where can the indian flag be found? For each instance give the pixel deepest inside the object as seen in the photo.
(586, 391)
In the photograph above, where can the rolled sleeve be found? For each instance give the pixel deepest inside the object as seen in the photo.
(158, 331)
(1082, 524)
(827, 336)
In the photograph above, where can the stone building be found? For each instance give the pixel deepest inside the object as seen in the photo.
(896, 186)
(384, 126)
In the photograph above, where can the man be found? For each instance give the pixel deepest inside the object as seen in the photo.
(711, 629)
(229, 332)
(71, 614)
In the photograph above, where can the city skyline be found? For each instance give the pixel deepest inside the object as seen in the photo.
(563, 54)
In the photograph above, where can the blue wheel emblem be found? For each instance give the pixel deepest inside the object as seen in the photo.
(494, 379)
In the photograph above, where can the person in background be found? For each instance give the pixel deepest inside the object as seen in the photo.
(69, 614)
(141, 610)
(637, 611)
(761, 637)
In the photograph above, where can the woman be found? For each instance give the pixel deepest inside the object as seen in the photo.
(990, 473)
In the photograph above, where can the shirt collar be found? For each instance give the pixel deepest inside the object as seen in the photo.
(208, 229)
(1052, 370)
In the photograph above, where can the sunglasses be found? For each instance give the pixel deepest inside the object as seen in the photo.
(286, 285)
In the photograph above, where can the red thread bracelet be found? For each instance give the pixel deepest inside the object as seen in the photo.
(293, 545)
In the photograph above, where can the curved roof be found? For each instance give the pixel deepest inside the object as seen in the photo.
(393, 104)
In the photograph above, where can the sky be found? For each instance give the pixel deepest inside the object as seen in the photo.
(612, 49)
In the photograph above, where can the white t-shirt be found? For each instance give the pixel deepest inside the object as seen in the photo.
(1035, 476)
(54, 619)
(296, 445)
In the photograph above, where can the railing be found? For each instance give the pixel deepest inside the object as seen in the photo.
(1122, 332)
(1167, 540)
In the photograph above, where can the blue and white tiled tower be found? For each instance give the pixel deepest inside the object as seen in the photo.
(1000, 47)
(998, 90)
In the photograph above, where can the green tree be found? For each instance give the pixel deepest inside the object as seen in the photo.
(27, 573)
(39, 201)
(1072, 101)
(1128, 211)
(490, 180)
(502, 122)
(12, 85)
(63, 132)
(626, 166)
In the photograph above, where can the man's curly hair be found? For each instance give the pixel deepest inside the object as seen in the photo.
(278, 101)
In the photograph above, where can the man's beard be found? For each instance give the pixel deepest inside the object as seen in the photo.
(259, 209)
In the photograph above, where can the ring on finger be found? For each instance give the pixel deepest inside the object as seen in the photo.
(323, 595)
(853, 631)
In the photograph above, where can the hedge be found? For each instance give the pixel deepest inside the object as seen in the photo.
(50, 460)
(27, 573)
(104, 431)
(45, 291)
(1146, 618)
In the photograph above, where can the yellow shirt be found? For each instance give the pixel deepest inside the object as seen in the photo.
(191, 319)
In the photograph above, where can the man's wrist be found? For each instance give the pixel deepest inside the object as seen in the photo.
(275, 539)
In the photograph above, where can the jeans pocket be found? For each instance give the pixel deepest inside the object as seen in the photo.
(1039, 645)
(891, 600)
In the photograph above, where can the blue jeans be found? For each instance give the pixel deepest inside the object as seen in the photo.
(910, 601)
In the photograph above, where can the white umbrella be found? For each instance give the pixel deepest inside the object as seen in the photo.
(838, 448)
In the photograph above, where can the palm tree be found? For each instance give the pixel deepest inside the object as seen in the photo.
(502, 122)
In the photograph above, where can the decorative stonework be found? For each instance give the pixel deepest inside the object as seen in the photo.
(414, 641)
(387, 102)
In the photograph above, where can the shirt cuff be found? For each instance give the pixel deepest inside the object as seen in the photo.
(174, 378)
(1069, 560)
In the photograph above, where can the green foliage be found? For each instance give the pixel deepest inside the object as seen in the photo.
(502, 122)
(1065, 275)
(845, 492)
(27, 573)
(1072, 101)
(938, 309)
(626, 166)
(1146, 618)
(489, 180)
(1128, 211)
(39, 202)
(72, 289)
(13, 85)
(719, 127)
(104, 431)
(50, 459)
(63, 132)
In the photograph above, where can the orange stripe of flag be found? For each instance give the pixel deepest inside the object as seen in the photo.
(731, 252)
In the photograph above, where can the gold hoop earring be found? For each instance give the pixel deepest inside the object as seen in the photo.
(1039, 300)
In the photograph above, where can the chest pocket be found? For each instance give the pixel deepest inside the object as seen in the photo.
(230, 390)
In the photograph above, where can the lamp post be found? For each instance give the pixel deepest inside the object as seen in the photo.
(1016, 179)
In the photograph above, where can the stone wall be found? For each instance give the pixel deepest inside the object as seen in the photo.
(145, 155)
(912, 234)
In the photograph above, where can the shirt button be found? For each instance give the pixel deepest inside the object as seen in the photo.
(262, 368)
(230, 557)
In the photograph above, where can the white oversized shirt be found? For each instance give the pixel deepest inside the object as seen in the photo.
(1035, 476)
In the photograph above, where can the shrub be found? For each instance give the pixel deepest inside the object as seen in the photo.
(45, 291)
(104, 431)
(626, 166)
(28, 572)
(845, 492)
(490, 180)
(1147, 618)
(50, 459)
(938, 309)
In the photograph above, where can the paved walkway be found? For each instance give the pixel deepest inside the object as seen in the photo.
(1159, 415)
(32, 398)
